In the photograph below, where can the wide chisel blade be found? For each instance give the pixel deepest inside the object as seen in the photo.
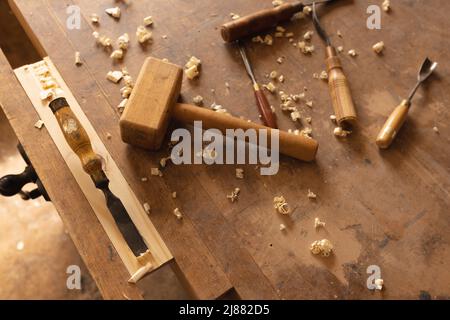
(124, 222)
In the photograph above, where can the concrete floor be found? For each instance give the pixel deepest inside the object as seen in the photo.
(35, 250)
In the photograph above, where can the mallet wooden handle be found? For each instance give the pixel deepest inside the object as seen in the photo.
(259, 21)
(77, 138)
(292, 145)
(269, 118)
(341, 97)
(393, 125)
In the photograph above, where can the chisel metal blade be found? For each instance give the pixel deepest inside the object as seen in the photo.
(124, 222)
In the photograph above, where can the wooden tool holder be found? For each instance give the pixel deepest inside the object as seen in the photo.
(158, 254)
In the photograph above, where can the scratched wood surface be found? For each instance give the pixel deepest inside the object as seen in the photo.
(385, 208)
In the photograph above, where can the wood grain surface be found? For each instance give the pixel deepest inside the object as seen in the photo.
(387, 208)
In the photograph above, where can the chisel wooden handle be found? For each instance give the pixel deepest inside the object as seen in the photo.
(393, 125)
(296, 146)
(77, 138)
(259, 21)
(341, 96)
(268, 117)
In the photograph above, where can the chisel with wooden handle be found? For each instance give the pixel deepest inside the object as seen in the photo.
(341, 97)
(398, 117)
(78, 140)
(259, 21)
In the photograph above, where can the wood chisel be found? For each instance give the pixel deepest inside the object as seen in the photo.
(398, 116)
(78, 140)
(257, 22)
(341, 97)
(269, 118)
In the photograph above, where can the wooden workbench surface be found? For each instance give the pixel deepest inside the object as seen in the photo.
(388, 208)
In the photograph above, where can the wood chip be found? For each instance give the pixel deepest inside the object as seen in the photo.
(114, 12)
(148, 21)
(178, 213)
(39, 124)
(318, 224)
(95, 19)
(198, 100)
(78, 61)
(234, 195)
(378, 47)
(147, 208)
(282, 227)
(323, 247)
(114, 76)
(281, 205)
(311, 195)
(239, 173)
(143, 35)
(155, 172)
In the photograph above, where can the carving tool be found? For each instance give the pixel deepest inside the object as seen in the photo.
(78, 140)
(398, 116)
(268, 117)
(154, 102)
(262, 20)
(341, 97)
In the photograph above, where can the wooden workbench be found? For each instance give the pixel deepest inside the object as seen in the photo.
(388, 208)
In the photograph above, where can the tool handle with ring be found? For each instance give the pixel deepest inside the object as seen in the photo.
(339, 90)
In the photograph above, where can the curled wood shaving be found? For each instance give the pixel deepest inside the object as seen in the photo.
(323, 247)
(281, 205)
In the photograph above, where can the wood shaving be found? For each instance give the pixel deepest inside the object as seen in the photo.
(386, 6)
(143, 35)
(95, 19)
(280, 60)
(309, 104)
(126, 92)
(281, 205)
(270, 87)
(78, 61)
(147, 208)
(322, 247)
(352, 53)
(323, 75)
(114, 76)
(148, 21)
(311, 195)
(268, 40)
(144, 179)
(340, 49)
(239, 173)
(163, 161)
(318, 224)
(281, 79)
(178, 214)
(296, 116)
(339, 34)
(436, 129)
(117, 54)
(341, 133)
(379, 283)
(47, 94)
(155, 172)
(307, 10)
(198, 100)
(273, 75)
(282, 227)
(102, 40)
(108, 136)
(234, 16)
(122, 105)
(280, 29)
(277, 3)
(308, 35)
(123, 41)
(174, 195)
(39, 124)
(114, 12)
(191, 68)
(333, 118)
(378, 47)
(289, 35)
(304, 48)
(234, 195)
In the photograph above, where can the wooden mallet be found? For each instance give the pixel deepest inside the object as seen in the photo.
(153, 103)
